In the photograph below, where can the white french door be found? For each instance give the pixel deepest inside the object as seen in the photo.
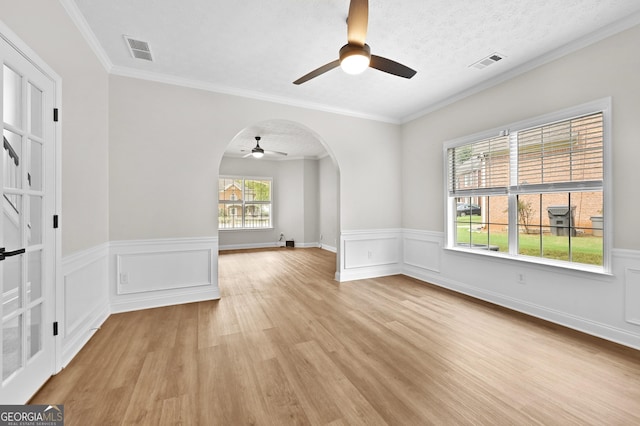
(27, 247)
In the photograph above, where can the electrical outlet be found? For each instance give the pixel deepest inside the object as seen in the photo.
(124, 278)
(369, 254)
(320, 237)
(521, 278)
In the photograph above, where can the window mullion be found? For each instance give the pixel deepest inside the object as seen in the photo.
(513, 198)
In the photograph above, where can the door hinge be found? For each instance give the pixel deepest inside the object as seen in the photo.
(55, 221)
(55, 328)
(55, 114)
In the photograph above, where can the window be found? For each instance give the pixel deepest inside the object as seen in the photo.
(537, 192)
(244, 203)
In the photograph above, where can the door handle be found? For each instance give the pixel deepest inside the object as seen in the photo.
(4, 254)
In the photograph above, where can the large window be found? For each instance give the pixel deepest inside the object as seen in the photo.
(244, 203)
(535, 191)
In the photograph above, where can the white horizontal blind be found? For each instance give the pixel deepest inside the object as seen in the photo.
(566, 154)
(479, 168)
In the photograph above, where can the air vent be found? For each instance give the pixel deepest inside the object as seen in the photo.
(489, 60)
(139, 49)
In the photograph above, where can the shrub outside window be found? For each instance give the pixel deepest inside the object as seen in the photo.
(535, 191)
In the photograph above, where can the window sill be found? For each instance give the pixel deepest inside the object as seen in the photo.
(536, 261)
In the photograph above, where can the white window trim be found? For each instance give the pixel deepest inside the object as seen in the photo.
(272, 203)
(603, 105)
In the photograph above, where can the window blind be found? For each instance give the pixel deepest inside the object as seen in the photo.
(480, 167)
(566, 154)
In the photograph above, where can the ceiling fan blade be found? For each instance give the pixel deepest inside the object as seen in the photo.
(358, 21)
(248, 155)
(275, 152)
(317, 72)
(391, 67)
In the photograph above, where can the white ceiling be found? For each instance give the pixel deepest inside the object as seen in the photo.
(257, 48)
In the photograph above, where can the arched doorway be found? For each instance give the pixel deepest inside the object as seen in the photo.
(299, 174)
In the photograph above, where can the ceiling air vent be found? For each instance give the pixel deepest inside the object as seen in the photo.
(489, 60)
(139, 49)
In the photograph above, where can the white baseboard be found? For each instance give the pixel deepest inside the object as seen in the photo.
(155, 300)
(248, 246)
(328, 248)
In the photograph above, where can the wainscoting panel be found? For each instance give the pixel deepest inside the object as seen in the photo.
(632, 296)
(371, 253)
(422, 250)
(152, 273)
(85, 298)
(143, 272)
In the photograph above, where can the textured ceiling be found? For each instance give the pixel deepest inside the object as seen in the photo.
(258, 48)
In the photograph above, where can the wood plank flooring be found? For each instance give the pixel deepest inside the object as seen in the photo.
(287, 345)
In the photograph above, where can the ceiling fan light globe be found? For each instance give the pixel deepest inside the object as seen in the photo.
(257, 154)
(354, 64)
(355, 59)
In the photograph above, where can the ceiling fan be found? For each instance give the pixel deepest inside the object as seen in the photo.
(355, 56)
(258, 152)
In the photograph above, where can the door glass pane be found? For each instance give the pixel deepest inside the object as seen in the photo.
(34, 170)
(34, 227)
(12, 285)
(34, 330)
(12, 97)
(34, 276)
(11, 346)
(12, 159)
(11, 218)
(35, 112)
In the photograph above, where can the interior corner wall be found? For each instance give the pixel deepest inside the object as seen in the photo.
(311, 203)
(46, 28)
(328, 203)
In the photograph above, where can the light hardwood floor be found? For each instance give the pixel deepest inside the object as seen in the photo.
(286, 344)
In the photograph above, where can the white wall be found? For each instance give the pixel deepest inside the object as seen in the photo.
(595, 303)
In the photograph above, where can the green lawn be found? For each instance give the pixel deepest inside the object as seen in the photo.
(584, 248)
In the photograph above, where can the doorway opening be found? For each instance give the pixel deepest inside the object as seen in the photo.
(288, 197)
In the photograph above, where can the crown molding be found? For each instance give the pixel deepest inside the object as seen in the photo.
(82, 25)
(217, 88)
(84, 28)
(568, 48)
